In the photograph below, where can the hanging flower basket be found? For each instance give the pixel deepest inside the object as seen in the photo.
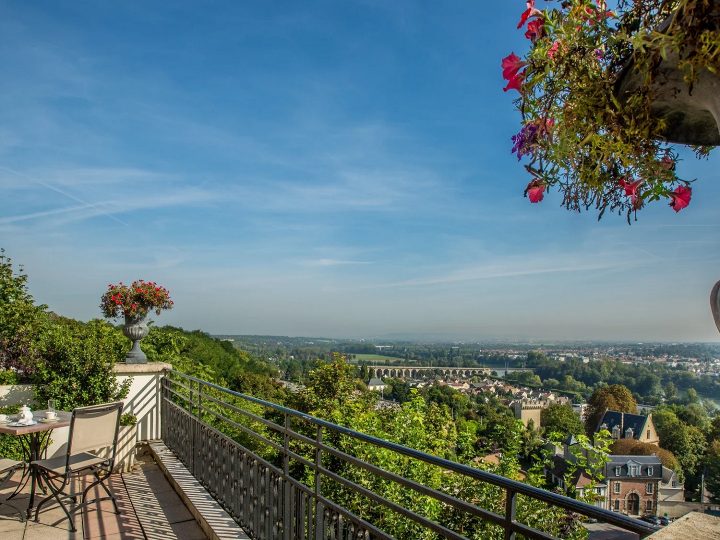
(603, 94)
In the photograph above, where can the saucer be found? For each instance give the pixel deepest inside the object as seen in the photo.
(22, 424)
(49, 420)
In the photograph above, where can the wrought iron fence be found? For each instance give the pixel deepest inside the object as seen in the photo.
(283, 474)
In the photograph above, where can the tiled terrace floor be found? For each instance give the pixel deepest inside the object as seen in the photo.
(149, 509)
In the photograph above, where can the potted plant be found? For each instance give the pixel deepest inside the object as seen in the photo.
(603, 94)
(134, 302)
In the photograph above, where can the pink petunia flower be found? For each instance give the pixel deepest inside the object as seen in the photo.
(680, 197)
(535, 190)
(535, 29)
(511, 64)
(631, 189)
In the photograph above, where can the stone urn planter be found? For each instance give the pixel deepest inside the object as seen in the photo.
(135, 330)
(715, 304)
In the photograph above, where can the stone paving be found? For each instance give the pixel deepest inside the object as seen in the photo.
(149, 510)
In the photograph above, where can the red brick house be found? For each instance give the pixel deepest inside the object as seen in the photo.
(633, 483)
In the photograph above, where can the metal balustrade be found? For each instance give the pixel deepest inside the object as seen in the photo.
(278, 472)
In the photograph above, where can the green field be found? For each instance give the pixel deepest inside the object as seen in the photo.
(378, 359)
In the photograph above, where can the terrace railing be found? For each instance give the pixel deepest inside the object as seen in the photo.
(279, 473)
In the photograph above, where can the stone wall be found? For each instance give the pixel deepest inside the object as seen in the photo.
(143, 401)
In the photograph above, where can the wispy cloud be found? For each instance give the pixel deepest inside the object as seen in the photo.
(503, 267)
(334, 262)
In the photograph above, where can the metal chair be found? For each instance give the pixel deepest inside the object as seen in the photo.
(8, 467)
(92, 429)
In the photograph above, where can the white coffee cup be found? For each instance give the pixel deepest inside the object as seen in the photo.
(50, 415)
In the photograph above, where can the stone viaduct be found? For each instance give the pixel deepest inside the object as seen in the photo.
(416, 372)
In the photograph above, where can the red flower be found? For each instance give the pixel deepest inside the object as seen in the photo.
(529, 12)
(515, 83)
(667, 163)
(630, 188)
(680, 197)
(511, 64)
(535, 190)
(535, 29)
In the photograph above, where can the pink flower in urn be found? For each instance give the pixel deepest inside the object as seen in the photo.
(680, 197)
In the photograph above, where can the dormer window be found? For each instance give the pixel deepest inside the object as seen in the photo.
(616, 432)
(629, 433)
(650, 471)
(633, 470)
(618, 470)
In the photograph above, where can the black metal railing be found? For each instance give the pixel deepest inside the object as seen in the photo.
(278, 472)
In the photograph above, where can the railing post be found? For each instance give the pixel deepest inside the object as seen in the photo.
(319, 517)
(509, 513)
(287, 510)
(196, 428)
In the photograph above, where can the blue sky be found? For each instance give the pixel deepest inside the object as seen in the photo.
(317, 168)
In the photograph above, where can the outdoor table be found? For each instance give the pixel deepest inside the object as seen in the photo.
(34, 440)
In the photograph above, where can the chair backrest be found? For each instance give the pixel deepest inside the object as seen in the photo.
(94, 428)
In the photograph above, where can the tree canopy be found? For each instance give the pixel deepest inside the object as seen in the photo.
(614, 397)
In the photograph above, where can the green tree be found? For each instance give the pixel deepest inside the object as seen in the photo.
(670, 391)
(22, 323)
(615, 397)
(687, 442)
(712, 477)
(560, 418)
(714, 429)
(330, 387)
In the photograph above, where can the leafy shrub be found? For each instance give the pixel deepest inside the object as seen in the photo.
(76, 364)
(8, 376)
